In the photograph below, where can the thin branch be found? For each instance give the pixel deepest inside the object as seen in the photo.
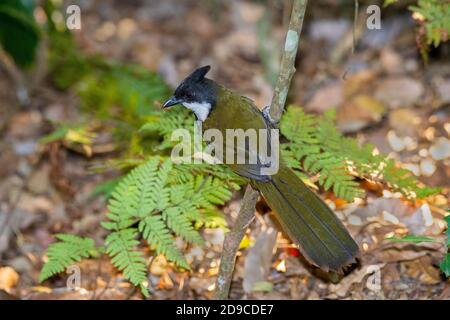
(287, 68)
(355, 25)
(232, 241)
(247, 212)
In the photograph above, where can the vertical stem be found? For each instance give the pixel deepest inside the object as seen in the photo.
(232, 241)
(247, 212)
(287, 68)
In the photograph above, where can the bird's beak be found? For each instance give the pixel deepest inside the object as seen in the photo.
(171, 102)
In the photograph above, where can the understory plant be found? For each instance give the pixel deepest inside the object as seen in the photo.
(433, 19)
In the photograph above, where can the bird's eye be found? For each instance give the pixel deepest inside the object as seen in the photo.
(189, 95)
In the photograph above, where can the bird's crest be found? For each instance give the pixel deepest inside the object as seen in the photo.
(198, 74)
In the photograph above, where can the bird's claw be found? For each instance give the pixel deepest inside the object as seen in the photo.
(266, 115)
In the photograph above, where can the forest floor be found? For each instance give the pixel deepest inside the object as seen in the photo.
(383, 94)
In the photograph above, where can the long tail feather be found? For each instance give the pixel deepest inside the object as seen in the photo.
(321, 236)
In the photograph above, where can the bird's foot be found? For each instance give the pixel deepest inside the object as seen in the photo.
(266, 115)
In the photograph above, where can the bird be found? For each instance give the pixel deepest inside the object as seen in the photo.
(321, 237)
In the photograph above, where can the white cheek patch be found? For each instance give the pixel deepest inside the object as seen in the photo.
(201, 110)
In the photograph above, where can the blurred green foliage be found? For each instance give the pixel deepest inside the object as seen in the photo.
(19, 34)
(67, 251)
(433, 17)
(412, 239)
(445, 264)
(436, 15)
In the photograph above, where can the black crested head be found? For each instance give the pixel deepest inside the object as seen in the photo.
(195, 89)
(198, 74)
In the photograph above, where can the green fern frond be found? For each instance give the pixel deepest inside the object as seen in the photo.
(185, 172)
(208, 192)
(157, 234)
(198, 198)
(150, 180)
(404, 181)
(178, 222)
(315, 144)
(436, 14)
(445, 263)
(163, 209)
(68, 250)
(165, 123)
(120, 247)
(211, 219)
(317, 147)
(120, 205)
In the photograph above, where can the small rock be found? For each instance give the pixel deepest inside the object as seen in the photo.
(355, 65)
(87, 222)
(404, 122)
(411, 65)
(8, 160)
(39, 182)
(21, 264)
(125, 28)
(26, 124)
(414, 168)
(427, 167)
(214, 236)
(442, 87)
(55, 113)
(390, 217)
(399, 91)
(400, 143)
(359, 81)
(146, 51)
(198, 252)
(391, 28)
(440, 149)
(354, 220)
(326, 98)
(34, 204)
(426, 214)
(24, 168)
(329, 30)
(105, 32)
(8, 278)
(359, 113)
(395, 142)
(159, 265)
(25, 148)
(401, 286)
(391, 61)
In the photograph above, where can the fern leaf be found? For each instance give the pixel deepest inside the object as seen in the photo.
(317, 147)
(119, 246)
(315, 143)
(181, 225)
(120, 205)
(67, 251)
(211, 219)
(158, 235)
(145, 178)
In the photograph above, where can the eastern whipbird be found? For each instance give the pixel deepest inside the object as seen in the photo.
(309, 222)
